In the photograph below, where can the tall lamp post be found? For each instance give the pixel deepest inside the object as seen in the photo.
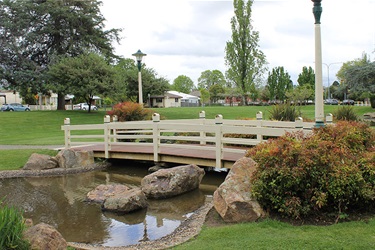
(329, 84)
(139, 55)
(319, 107)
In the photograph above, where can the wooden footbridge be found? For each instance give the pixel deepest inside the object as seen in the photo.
(214, 143)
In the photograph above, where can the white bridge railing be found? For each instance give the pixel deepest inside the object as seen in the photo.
(219, 135)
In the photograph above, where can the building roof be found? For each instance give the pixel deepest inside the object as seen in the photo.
(196, 93)
(182, 95)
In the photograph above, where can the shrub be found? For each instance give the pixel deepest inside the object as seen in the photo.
(345, 113)
(332, 170)
(130, 111)
(11, 229)
(284, 112)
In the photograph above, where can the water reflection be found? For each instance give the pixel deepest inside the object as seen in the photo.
(60, 201)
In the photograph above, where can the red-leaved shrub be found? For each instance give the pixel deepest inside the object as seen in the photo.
(331, 170)
(130, 111)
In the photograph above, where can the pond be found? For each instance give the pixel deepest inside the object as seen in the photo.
(61, 202)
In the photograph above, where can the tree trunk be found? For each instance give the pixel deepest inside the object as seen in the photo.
(60, 101)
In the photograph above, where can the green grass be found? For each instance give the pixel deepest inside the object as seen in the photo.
(270, 234)
(308, 112)
(44, 127)
(11, 229)
(41, 127)
(16, 159)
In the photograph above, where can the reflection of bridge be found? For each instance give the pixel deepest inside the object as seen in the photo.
(205, 142)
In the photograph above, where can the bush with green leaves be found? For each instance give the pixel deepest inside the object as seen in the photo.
(130, 111)
(345, 113)
(330, 171)
(285, 112)
(11, 228)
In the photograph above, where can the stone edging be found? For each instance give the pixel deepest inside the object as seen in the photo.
(49, 172)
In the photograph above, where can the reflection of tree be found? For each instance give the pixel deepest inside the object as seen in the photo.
(44, 200)
(59, 201)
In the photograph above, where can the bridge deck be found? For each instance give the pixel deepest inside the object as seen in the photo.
(202, 157)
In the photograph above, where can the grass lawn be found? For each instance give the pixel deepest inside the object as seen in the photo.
(271, 234)
(44, 127)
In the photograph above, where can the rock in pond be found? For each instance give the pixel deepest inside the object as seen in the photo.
(170, 182)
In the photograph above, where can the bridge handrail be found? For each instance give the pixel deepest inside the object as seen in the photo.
(220, 135)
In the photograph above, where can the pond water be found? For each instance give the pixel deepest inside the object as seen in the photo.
(60, 202)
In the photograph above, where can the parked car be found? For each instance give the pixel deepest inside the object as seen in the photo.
(14, 107)
(348, 102)
(84, 106)
(331, 102)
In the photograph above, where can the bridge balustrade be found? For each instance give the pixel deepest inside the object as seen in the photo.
(205, 135)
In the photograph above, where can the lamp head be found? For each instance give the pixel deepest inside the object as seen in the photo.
(317, 10)
(139, 55)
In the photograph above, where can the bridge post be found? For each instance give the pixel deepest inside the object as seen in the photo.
(329, 118)
(259, 117)
(202, 117)
(299, 123)
(156, 135)
(107, 119)
(67, 132)
(218, 140)
(114, 131)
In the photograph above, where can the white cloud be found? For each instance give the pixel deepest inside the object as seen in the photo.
(184, 37)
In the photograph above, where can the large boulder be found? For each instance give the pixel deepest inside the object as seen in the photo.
(233, 199)
(170, 182)
(129, 201)
(103, 192)
(69, 158)
(44, 236)
(40, 162)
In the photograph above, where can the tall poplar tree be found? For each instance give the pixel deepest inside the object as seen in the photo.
(245, 61)
(307, 77)
(278, 83)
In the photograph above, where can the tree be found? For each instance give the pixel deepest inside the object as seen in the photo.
(358, 76)
(183, 84)
(307, 77)
(213, 81)
(300, 94)
(127, 81)
(216, 90)
(205, 95)
(34, 34)
(211, 77)
(245, 61)
(278, 83)
(84, 76)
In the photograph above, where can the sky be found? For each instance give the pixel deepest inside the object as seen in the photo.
(183, 37)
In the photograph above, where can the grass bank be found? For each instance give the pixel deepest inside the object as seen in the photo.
(271, 234)
(15, 159)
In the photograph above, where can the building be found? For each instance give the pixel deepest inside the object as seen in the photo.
(173, 99)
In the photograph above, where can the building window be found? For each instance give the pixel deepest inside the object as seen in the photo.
(159, 100)
(175, 99)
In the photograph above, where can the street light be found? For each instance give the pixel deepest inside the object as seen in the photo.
(139, 55)
(329, 84)
(319, 107)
